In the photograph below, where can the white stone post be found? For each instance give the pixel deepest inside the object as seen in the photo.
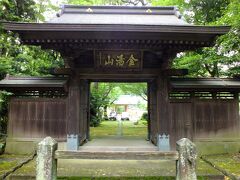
(186, 164)
(46, 163)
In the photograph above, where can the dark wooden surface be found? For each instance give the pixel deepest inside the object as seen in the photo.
(193, 118)
(215, 117)
(73, 107)
(37, 118)
(203, 118)
(152, 109)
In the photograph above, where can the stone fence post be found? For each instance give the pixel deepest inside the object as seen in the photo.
(46, 163)
(186, 164)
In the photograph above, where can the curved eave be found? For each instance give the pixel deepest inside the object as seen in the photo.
(205, 84)
(191, 29)
(15, 84)
(117, 36)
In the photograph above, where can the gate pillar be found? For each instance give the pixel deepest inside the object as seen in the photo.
(73, 115)
(78, 108)
(162, 104)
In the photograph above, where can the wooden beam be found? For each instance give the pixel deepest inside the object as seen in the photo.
(148, 71)
(117, 155)
(61, 71)
(175, 72)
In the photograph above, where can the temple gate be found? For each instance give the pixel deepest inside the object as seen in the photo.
(121, 44)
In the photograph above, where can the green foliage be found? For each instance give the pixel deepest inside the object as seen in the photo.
(178, 3)
(94, 121)
(223, 58)
(145, 116)
(137, 89)
(144, 119)
(3, 111)
(95, 2)
(21, 59)
(102, 95)
(205, 11)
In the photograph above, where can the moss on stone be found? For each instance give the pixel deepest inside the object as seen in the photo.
(7, 162)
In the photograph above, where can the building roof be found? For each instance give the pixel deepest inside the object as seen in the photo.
(91, 27)
(128, 100)
(32, 83)
(119, 15)
(201, 84)
(176, 84)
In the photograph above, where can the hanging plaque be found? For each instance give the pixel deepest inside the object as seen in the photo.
(118, 59)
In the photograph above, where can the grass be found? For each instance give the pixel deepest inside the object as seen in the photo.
(228, 162)
(110, 128)
(7, 162)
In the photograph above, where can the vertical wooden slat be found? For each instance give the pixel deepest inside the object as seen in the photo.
(215, 116)
(36, 118)
(180, 117)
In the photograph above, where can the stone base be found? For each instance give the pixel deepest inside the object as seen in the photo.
(24, 146)
(216, 146)
(204, 147)
(20, 147)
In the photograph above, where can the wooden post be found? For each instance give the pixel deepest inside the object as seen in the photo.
(46, 162)
(78, 104)
(163, 121)
(152, 109)
(73, 107)
(186, 164)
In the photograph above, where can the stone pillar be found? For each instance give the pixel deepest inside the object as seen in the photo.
(186, 164)
(46, 163)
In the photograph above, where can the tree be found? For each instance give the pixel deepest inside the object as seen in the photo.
(109, 2)
(223, 58)
(137, 89)
(229, 43)
(102, 96)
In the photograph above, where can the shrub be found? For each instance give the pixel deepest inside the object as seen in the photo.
(94, 121)
(144, 116)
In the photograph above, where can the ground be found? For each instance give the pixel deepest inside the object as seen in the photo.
(121, 169)
(110, 128)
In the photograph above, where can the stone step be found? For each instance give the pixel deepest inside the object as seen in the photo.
(117, 155)
(116, 148)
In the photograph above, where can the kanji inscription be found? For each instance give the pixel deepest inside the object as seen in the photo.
(118, 59)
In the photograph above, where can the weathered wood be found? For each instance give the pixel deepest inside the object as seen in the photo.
(152, 110)
(180, 117)
(37, 118)
(84, 109)
(117, 155)
(215, 118)
(73, 122)
(175, 72)
(163, 122)
(61, 71)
